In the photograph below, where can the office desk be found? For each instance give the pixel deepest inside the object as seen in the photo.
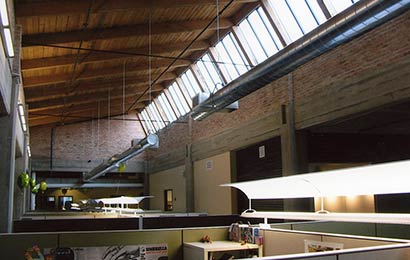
(205, 251)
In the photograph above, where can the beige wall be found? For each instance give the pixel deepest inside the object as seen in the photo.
(351, 204)
(210, 197)
(170, 179)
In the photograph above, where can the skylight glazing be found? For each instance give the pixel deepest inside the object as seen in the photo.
(156, 115)
(190, 83)
(147, 122)
(161, 112)
(179, 98)
(230, 58)
(210, 74)
(337, 6)
(260, 36)
(258, 39)
(173, 104)
(153, 120)
(166, 107)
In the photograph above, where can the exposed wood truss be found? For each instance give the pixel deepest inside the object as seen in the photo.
(79, 57)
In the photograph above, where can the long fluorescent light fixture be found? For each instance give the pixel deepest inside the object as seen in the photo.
(388, 218)
(4, 13)
(8, 40)
(22, 117)
(386, 178)
(28, 151)
(124, 200)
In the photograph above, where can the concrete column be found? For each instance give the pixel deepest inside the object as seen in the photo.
(294, 151)
(7, 160)
(18, 206)
(189, 171)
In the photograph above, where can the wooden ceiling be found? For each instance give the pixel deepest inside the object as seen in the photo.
(88, 59)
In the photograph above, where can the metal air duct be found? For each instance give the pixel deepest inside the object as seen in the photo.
(151, 141)
(353, 22)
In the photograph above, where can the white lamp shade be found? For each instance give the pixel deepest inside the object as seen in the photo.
(124, 200)
(387, 178)
(387, 218)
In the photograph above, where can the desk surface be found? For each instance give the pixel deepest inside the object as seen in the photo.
(221, 246)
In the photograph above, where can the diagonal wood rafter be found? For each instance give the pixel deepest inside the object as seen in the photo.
(108, 55)
(114, 38)
(66, 7)
(120, 32)
(215, 21)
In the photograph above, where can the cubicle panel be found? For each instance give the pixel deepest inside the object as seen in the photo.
(195, 235)
(328, 257)
(392, 230)
(282, 226)
(360, 229)
(96, 239)
(354, 242)
(14, 246)
(396, 254)
(285, 242)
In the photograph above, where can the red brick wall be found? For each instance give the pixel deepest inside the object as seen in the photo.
(85, 141)
(385, 45)
(255, 105)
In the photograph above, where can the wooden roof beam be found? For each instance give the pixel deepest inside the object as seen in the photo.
(109, 55)
(85, 98)
(67, 7)
(52, 92)
(91, 107)
(121, 32)
(73, 118)
(133, 68)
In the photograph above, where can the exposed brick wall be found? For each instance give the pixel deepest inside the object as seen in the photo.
(85, 141)
(385, 45)
(259, 103)
(40, 137)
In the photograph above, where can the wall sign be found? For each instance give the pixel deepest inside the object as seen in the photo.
(262, 151)
(209, 165)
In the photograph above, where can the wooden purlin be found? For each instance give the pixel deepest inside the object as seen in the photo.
(120, 32)
(67, 7)
(105, 56)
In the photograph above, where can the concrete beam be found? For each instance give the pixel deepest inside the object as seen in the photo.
(60, 165)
